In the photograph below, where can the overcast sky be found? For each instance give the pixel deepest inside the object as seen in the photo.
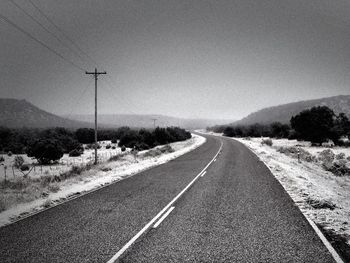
(209, 59)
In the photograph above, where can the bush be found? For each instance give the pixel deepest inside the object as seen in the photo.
(123, 148)
(108, 146)
(18, 161)
(320, 204)
(158, 151)
(24, 167)
(314, 124)
(2, 159)
(45, 151)
(279, 130)
(9, 154)
(326, 156)
(294, 151)
(166, 149)
(113, 147)
(75, 153)
(268, 142)
(116, 157)
(129, 139)
(85, 135)
(340, 156)
(338, 168)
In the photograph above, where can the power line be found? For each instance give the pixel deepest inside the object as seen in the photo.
(111, 81)
(45, 28)
(40, 42)
(77, 101)
(67, 37)
(62, 32)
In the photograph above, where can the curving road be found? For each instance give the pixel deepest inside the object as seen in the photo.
(235, 212)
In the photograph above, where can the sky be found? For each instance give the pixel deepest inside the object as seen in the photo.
(192, 59)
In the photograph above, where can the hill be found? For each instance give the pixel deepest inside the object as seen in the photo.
(146, 121)
(283, 113)
(21, 113)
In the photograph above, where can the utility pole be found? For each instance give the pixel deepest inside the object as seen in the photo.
(95, 73)
(154, 123)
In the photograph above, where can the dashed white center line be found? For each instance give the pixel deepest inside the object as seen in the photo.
(163, 217)
(214, 160)
(150, 223)
(203, 173)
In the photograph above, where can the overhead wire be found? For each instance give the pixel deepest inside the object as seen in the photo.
(76, 101)
(109, 81)
(4, 18)
(61, 31)
(46, 29)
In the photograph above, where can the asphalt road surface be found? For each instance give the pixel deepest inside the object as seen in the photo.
(235, 212)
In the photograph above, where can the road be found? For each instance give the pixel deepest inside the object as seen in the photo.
(236, 212)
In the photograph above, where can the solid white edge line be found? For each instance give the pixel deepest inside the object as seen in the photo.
(150, 223)
(163, 217)
(203, 173)
(324, 240)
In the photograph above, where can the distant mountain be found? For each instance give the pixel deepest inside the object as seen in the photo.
(146, 121)
(21, 113)
(283, 113)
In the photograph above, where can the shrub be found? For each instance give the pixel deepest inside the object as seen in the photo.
(18, 161)
(113, 147)
(76, 169)
(85, 135)
(314, 124)
(340, 156)
(166, 149)
(105, 169)
(152, 153)
(2, 159)
(320, 204)
(45, 151)
(294, 151)
(326, 156)
(123, 148)
(24, 167)
(279, 130)
(338, 168)
(108, 146)
(268, 142)
(130, 139)
(75, 153)
(116, 157)
(54, 188)
(9, 154)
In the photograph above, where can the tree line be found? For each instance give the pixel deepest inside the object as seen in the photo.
(48, 145)
(317, 125)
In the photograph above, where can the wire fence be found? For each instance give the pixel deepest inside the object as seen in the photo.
(9, 171)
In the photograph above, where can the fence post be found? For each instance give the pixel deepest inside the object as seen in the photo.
(5, 168)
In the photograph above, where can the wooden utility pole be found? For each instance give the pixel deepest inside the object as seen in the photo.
(95, 73)
(154, 123)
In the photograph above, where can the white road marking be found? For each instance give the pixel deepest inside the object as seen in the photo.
(214, 160)
(203, 173)
(163, 217)
(150, 223)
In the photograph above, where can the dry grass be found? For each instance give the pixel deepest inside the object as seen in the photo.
(320, 203)
(23, 190)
